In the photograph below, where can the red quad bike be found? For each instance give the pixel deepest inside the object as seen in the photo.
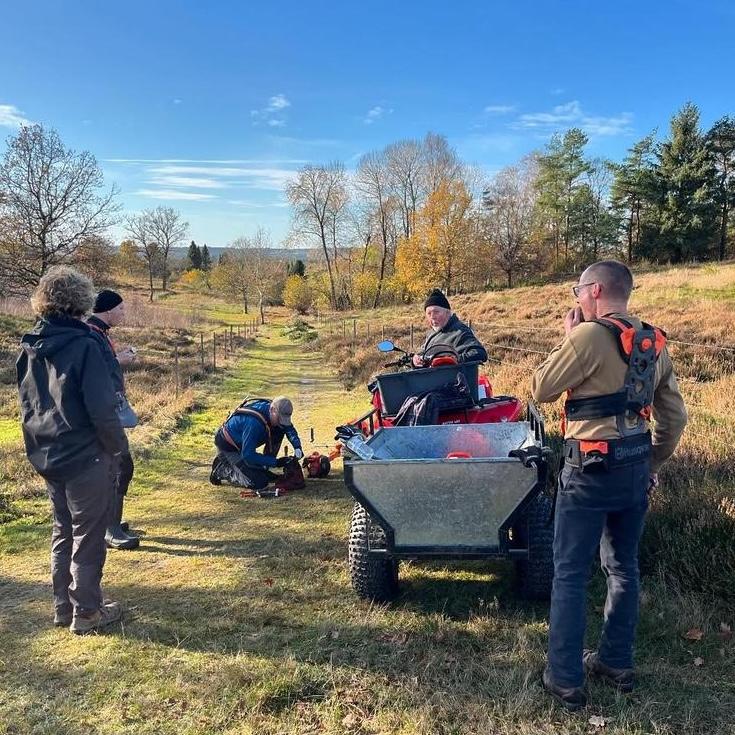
(390, 390)
(471, 486)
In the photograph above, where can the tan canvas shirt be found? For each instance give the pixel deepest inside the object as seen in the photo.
(589, 364)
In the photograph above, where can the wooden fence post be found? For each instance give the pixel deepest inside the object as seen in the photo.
(214, 351)
(201, 348)
(176, 368)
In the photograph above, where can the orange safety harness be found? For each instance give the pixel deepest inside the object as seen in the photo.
(631, 405)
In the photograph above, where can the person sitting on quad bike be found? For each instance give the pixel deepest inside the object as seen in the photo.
(448, 331)
(255, 423)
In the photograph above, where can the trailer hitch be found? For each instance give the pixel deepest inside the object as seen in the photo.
(531, 456)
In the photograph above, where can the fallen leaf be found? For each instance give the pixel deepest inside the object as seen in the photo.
(268, 582)
(397, 639)
(350, 720)
(699, 661)
(597, 721)
(725, 632)
(694, 634)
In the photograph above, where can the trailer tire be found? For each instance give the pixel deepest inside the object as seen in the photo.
(535, 574)
(373, 578)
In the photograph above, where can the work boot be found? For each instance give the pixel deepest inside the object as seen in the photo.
(214, 474)
(622, 679)
(115, 537)
(571, 698)
(109, 613)
(63, 616)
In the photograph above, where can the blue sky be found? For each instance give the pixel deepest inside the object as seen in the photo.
(211, 107)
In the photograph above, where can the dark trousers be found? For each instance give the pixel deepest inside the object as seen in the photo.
(125, 473)
(606, 508)
(80, 511)
(229, 466)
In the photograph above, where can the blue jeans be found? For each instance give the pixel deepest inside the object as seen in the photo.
(605, 507)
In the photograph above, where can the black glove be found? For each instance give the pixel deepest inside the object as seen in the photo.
(285, 461)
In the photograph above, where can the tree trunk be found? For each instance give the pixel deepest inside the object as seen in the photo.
(245, 303)
(630, 236)
(262, 310)
(329, 266)
(723, 229)
(150, 281)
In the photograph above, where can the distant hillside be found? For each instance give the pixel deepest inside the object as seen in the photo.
(287, 254)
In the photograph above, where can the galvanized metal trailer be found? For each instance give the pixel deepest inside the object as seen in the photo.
(463, 491)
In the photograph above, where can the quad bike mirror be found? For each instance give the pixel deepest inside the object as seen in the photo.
(386, 346)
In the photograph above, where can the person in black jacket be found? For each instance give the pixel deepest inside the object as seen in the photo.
(73, 438)
(447, 331)
(109, 311)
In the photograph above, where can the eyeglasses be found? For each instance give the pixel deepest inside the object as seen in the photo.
(576, 289)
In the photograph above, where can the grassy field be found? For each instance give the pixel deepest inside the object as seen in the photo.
(240, 617)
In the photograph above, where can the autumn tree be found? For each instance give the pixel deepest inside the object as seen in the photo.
(319, 200)
(138, 228)
(167, 229)
(509, 202)
(297, 294)
(51, 201)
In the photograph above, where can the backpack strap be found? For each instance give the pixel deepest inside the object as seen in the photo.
(244, 410)
(631, 405)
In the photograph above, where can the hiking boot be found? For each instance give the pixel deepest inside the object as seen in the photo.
(109, 613)
(622, 679)
(63, 617)
(571, 698)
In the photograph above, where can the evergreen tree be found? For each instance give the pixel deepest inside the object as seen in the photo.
(561, 169)
(206, 259)
(686, 173)
(194, 256)
(296, 268)
(635, 191)
(721, 145)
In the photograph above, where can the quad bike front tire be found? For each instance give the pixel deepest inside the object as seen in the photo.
(374, 578)
(535, 531)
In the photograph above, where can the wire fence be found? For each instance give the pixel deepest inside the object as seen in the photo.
(354, 328)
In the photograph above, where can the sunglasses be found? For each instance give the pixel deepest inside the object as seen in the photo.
(579, 287)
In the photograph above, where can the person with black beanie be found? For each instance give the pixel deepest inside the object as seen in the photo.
(447, 331)
(109, 311)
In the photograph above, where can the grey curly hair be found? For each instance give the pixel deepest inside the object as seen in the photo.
(62, 291)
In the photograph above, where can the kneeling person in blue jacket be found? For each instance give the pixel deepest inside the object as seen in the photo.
(255, 423)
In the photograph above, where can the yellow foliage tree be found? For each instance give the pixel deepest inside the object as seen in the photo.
(443, 247)
(298, 294)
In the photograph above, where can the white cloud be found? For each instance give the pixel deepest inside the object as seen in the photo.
(12, 117)
(278, 102)
(186, 182)
(499, 109)
(177, 101)
(572, 114)
(172, 195)
(272, 113)
(270, 178)
(376, 113)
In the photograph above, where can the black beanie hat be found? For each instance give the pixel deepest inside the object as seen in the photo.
(436, 298)
(106, 300)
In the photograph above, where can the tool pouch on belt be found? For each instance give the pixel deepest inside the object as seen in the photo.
(607, 455)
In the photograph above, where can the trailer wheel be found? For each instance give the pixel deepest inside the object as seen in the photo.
(535, 574)
(373, 578)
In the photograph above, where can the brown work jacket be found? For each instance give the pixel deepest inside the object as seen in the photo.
(588, 363)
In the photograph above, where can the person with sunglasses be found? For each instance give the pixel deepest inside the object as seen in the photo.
(617, 375)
